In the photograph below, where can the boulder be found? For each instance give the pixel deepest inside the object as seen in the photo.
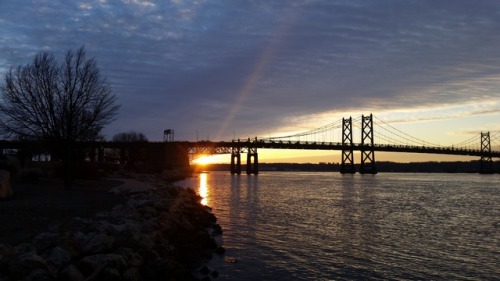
(45, 241)
(150, 225)
(158, 235)
(134, 259)
(39, 275)
(21, 266)
(90, 264)
(70, 273)
(25, 248)
(7, 252)
(74, 243)
(132, 237)
(105, 274)
(131, 274)
(57, 258)
(98, 243)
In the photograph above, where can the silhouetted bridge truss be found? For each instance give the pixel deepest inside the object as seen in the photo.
(392, 140)
(338, 136)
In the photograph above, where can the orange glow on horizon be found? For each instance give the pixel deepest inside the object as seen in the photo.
(317, 156)
(204, 160)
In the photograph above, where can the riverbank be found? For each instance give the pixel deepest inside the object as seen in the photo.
(113, 229)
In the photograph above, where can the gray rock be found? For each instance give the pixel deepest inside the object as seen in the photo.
(98, 243)
(79, 238)
(150, 225)
(131, 274)
(128, 243)
(45, 241)
(133, 258)
(57, 258)
(135, 202)
(39, 275)
(148, 211)
(24, 248)
(7, 250)
(81, 224)
(132, 237)
(90, 264)
(21, 266)
(105, 274)
(70, 273)
(74, 243)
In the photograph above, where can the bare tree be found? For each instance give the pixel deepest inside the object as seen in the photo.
(57, 104)
(129, 137)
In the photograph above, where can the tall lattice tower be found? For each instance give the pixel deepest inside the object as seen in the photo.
(367, 146)
(486, 162)
(347, 165)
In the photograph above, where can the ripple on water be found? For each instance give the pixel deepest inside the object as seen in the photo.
(323, 226)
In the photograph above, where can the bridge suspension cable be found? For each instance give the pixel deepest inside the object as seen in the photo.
(473, 141)
(384, 134)
(495, 139)
(495, 136)
(381, 136)
(329, 127)
(402, 135)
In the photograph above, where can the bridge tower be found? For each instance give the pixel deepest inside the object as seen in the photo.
(367, 149)
(347, 165)
(252, 168)
(235, 159)
(486, 162)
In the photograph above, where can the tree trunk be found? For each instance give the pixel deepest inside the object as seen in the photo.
(68, 165)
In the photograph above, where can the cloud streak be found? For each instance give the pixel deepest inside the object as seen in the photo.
(254, 67)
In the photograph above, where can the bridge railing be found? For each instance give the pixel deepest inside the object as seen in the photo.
(224, 147)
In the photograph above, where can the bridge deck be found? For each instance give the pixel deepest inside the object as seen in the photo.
(225, 147)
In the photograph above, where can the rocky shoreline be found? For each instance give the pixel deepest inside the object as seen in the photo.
(159, 234)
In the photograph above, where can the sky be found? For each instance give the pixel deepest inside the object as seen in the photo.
(218, 69)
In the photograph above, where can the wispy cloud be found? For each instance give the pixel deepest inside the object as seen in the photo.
(183, 64)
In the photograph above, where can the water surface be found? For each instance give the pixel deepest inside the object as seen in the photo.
(327, 226)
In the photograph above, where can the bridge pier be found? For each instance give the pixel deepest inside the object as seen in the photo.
(367, 148)
(235, 160)
(347, 165)
(486, 162)
(252, 166)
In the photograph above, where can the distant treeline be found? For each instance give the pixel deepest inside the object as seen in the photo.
(414, 167)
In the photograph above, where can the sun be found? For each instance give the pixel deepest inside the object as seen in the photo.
(202, 160)
(209, 159)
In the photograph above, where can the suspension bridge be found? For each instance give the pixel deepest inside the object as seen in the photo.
(340, 136)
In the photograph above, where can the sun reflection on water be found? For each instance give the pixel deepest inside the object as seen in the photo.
(203, 188)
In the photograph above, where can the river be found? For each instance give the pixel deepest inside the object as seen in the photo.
(327, 226)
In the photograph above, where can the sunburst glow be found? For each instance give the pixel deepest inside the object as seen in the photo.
(210, 159)
(202, 160)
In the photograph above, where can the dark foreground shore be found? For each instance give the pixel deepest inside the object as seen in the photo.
(91, 233)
